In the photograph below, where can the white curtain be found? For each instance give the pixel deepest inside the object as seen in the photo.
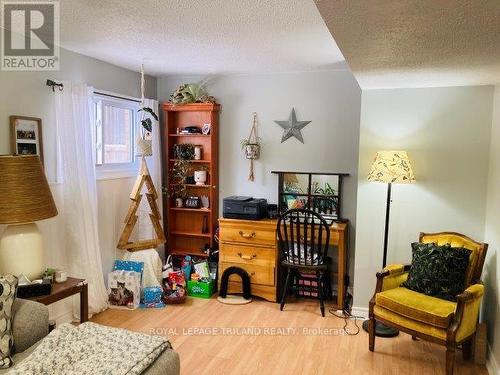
(76, 173)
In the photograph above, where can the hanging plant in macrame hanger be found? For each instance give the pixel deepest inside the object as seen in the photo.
(144, 148)
(251, 147)
(145, 139)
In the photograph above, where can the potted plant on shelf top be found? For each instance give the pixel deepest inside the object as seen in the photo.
(188, 93)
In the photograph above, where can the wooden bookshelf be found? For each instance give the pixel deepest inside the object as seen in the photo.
(184, 226)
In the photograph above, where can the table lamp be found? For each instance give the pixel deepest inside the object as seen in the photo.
(25, 197)
(390, 167)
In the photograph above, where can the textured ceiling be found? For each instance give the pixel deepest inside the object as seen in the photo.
(417, 43)
(201, 36)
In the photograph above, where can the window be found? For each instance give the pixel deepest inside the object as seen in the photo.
(115, 130)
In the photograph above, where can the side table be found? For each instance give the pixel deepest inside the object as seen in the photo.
(68, 288)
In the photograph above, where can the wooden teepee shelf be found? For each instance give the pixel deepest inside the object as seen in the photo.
(136, 195)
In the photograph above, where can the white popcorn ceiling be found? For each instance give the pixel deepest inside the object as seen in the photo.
(417, 43)
(201, 36)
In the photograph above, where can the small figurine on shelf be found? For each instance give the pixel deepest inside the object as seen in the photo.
(206, 128)
(197, 152)
(205, 202)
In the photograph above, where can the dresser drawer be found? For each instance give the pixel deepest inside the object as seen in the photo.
(246, 233)
(262, 256)
(263, 275)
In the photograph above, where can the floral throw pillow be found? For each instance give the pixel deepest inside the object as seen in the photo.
(438, 271)
(8, 286)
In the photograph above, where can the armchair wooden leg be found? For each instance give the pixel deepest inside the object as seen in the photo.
(285, 289)
(467, 349)
(450, 359)
(371, 334)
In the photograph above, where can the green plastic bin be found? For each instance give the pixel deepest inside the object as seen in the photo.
(200, 289)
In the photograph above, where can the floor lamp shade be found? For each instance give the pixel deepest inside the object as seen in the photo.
(392, 167)
(25, 197)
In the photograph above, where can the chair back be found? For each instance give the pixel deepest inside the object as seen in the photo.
(476, 259)
(303, 237)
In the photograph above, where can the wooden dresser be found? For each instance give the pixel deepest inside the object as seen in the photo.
(253, 246)
(250, 245)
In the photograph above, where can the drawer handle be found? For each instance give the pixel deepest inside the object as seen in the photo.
(247, 257)
(247, 235)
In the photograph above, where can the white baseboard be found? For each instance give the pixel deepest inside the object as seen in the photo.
(491, 363)
(360, 311)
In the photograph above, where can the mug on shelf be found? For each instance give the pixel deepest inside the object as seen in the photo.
(61, 276)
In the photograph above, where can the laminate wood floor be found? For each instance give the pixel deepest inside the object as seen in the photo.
(212, 338)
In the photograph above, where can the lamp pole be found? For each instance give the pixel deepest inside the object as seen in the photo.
(381, 330)
(386, 230)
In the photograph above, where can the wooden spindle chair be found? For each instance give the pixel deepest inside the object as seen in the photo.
(303, 238)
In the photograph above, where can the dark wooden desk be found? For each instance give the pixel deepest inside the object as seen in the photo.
(66, 289)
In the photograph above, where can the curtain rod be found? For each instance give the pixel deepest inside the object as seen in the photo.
(116, 96)
(53, 84)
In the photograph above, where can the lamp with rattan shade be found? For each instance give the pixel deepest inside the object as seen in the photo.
(25, 197)
(390, 167)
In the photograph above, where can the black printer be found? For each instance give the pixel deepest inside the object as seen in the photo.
(245, 208)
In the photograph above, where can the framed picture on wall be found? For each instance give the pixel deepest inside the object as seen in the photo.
(26, 136)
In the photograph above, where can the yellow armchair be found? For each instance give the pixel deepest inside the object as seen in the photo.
(445, 322)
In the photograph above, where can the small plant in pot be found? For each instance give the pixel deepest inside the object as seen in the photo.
(191, 93)
(201, 175)
(144, 143)
(251, 147)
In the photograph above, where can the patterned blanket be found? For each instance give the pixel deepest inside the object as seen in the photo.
(91, 349)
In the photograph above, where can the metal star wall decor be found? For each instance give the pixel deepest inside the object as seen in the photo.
(292, 127)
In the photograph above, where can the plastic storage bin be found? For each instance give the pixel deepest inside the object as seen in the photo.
(201, 289)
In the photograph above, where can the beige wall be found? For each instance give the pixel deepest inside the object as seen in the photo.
(491, 304)
(446, 132)
(25, 93)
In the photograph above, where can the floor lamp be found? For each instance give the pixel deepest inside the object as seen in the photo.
(390, 167)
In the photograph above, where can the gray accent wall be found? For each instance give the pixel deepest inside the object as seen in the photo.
(331, 100)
